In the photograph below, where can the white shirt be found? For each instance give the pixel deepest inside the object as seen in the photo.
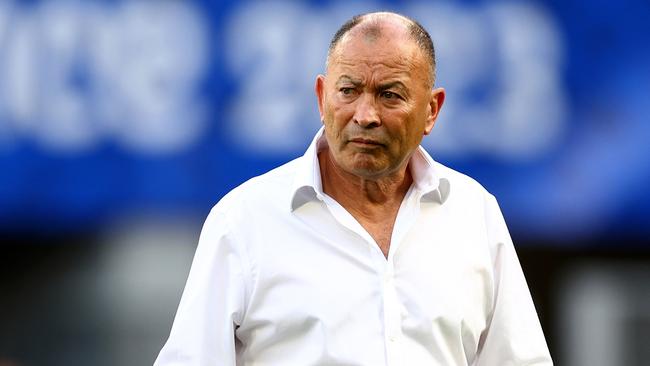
(284, 276)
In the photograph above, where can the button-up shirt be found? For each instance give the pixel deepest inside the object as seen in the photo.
(284, 276)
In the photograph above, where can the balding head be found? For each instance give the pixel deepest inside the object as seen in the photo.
(371, 26)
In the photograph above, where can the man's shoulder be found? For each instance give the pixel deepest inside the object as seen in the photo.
(460, 183)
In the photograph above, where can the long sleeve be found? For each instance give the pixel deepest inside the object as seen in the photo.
(212, 304)
(514, 336)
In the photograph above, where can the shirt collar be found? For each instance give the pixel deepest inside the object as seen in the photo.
(307, 185)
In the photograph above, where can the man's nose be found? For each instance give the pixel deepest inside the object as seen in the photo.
(366, 113)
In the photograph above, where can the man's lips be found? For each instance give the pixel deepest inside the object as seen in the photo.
(367, 142)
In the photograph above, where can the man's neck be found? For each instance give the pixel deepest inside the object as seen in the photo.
(374, 203)
(370, 198)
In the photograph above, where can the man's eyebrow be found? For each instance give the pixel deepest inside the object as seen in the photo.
(393, 84)
(348, 79)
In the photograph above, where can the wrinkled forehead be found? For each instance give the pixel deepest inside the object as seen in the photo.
(378, 52)
(376, 61)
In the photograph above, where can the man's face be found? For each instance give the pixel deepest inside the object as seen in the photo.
(376, 102)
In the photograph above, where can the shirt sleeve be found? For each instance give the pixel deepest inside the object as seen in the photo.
(514, 336)
(212, 304)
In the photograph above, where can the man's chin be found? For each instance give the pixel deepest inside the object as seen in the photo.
(362, 165)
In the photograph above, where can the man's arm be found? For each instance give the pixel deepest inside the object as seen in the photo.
(514, 336)
(212, 305)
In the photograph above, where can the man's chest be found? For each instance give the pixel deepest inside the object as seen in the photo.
(328, 285)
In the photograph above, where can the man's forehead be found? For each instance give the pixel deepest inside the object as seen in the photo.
(360, 80)
(391, 53)
(397, 63)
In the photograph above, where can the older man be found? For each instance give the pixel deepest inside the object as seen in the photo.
(364, 251)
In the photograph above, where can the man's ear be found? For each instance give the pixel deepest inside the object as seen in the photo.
(435, 104)
(319, 88)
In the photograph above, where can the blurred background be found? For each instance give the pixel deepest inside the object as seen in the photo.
(123, 122)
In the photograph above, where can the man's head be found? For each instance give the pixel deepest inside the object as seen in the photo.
(376, 99)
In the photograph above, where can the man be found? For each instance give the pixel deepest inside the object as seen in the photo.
(364, 251)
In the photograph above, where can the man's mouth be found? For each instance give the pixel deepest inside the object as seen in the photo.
(366, 142)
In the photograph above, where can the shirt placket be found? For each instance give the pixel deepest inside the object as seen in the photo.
(385, 269)
(393, 307)
(392, 317)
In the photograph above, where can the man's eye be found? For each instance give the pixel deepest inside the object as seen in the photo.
(389, 95)
(346, 91)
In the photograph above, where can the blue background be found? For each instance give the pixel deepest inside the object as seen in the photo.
(587, 181)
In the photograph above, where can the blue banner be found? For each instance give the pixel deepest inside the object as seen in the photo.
(114, 107)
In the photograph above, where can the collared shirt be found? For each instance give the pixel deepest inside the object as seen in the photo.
(284, 276)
